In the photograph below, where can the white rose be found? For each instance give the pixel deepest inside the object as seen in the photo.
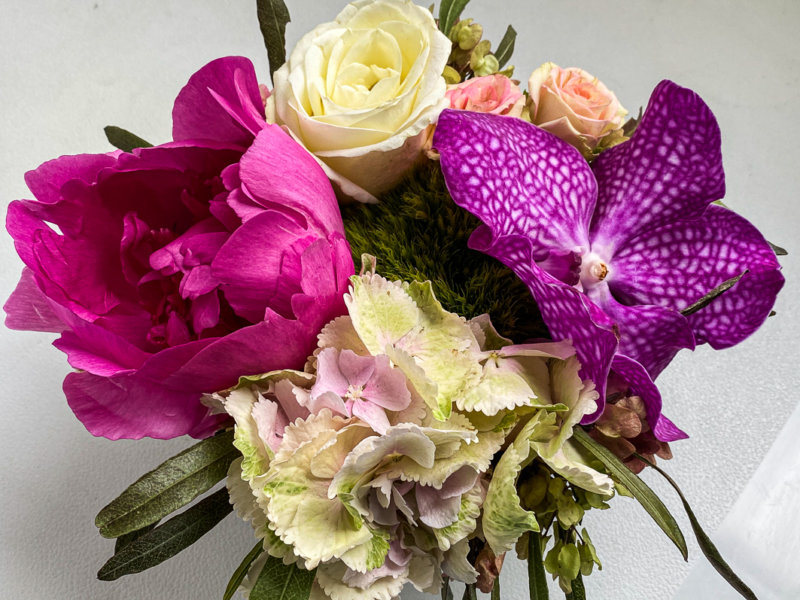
(359, 93)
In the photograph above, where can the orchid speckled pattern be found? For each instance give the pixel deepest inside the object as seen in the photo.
(633, 239)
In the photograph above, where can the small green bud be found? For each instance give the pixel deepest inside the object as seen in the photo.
(451, 76)
(466, 34)
(533, 490)
(483, 62)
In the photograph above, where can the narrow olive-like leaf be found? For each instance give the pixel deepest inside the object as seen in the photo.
(173, 484)
(126, 539)
(166, 540)
(709, 297)
(506, 47)
(706, 545)
(272, 19)
(447, 591)
(278, 581)
(537, 580)
(578, 591)
(449, 13)
(777, 249)
(241, 571)
(638, 488)
(124, 140)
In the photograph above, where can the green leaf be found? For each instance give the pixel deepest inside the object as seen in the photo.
(165, 541)
(777, 249)
(638, 488)
(717, 291)
(241, 571)
(278, 581)
(126, 539)
(506, 46)
(171, 485)
(578, 591)
(124, 140)
(449, 13)
(537, 580)
(272, 18)
(706, 545)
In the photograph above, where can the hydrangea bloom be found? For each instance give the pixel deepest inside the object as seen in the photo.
(173, 270)
(346, 467)
(614, 252)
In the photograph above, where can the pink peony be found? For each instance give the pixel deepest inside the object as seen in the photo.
(573, 105)
(173, 270)
(495, 94)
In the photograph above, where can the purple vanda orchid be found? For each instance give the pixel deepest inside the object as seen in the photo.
(612, 253)
(174, 270)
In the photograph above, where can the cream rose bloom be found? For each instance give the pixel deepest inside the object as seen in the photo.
(360, 92)
(573, 105)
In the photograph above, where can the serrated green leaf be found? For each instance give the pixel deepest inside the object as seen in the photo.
(165, 541)
(124, 140)
(706, 545)
(278, 581)
(241, 571)
(272, 19)
(537, 580)
(449, 13)
(126, 539)
(709, 297)
(506, 47)
(173, 484)
(638, 488)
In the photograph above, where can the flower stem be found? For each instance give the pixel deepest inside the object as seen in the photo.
(578, 591)
(537, 581)
(496, 588)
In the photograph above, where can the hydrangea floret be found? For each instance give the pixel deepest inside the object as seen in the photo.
(371, 465)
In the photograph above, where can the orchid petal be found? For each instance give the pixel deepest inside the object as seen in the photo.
(518, 179)
(685, 260)
(670, 169)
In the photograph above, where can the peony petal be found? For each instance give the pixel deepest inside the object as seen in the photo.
(29, 309)
(277, 172)
(219, 103)
(677, 264)
(670, 169)
(131, 407)
(518, 179)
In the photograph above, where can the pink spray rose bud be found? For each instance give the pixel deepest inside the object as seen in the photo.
(495, 94)
(573, 105)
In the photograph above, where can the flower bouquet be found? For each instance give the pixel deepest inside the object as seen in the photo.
(413, 313)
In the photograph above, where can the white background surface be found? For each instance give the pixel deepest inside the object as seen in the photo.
(69, 68)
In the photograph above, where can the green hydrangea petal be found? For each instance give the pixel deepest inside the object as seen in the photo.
(456, 565)
(330, 579)
(300, 512)
(504, 519)
(467, 520)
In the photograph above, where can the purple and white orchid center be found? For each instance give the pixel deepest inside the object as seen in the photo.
(593, 270)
